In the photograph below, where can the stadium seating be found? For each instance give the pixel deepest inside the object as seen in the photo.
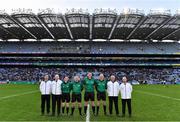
(148, 75)
(89, 48)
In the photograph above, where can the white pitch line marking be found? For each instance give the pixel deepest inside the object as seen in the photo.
(88, 114)
(16, 95)
(158, 95)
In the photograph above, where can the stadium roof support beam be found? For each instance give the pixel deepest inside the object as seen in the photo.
(158, 28)
(132, 32)
(8, 32)
(90, 26)
(68, 28)
(171, 34)
(45, 27)
(23, 27)
(114, 26)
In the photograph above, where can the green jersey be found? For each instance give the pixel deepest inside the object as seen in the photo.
(89, 84)
(101, 86)
(66, 87)
(76, 87)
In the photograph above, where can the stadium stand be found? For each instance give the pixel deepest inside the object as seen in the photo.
(90, 48)
(149, 75)
(67, 44)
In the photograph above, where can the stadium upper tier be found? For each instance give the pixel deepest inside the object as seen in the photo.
(90, 48)
(102, 24)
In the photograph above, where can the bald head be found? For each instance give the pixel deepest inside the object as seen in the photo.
(124, 79)
(76, 78)
(101, 77)
(56, 77)
(112, 78)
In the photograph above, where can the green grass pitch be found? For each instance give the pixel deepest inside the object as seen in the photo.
(149, 103)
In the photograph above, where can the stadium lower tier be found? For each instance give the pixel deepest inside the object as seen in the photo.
(135, 75)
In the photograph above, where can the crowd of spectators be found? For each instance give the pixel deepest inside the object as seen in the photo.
(141, 75)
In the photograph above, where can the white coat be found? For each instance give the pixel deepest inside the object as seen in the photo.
(113, 89)
(45, 87)
(126, 90)
(56, 87)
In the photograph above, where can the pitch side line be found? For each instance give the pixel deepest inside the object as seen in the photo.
(88, 114)
(16, 95)
(158, 95)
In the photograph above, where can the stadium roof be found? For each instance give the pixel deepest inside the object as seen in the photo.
(79, 24)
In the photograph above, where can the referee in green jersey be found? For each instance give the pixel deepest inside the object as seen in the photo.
(101, 86)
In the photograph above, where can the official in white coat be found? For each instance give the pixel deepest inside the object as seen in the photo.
(113, 92)
(56, 95)
(126, 90)
(45, 89)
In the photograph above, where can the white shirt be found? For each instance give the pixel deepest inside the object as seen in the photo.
(126, 90)
(45, 87)
(56, 87)
(113, 89)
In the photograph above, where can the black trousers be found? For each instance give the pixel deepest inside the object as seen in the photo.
(128, 101)
(115, 100)
(45, 99)
(56, 100)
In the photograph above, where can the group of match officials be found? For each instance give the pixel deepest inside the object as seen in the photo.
(62, 92)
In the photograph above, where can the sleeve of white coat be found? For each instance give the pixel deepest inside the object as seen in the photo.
(131, 88)
(40, 87)
(50, 87)
(120, 87)
(108, 87)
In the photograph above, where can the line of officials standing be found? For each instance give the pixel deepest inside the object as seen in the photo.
(61, 94)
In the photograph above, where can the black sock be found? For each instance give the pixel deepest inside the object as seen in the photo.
(97, 110)
(80, 110)
(72, 110)
(63, 109)
(67, 110)
(93, 108)
(104, 107)
(85, 109)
